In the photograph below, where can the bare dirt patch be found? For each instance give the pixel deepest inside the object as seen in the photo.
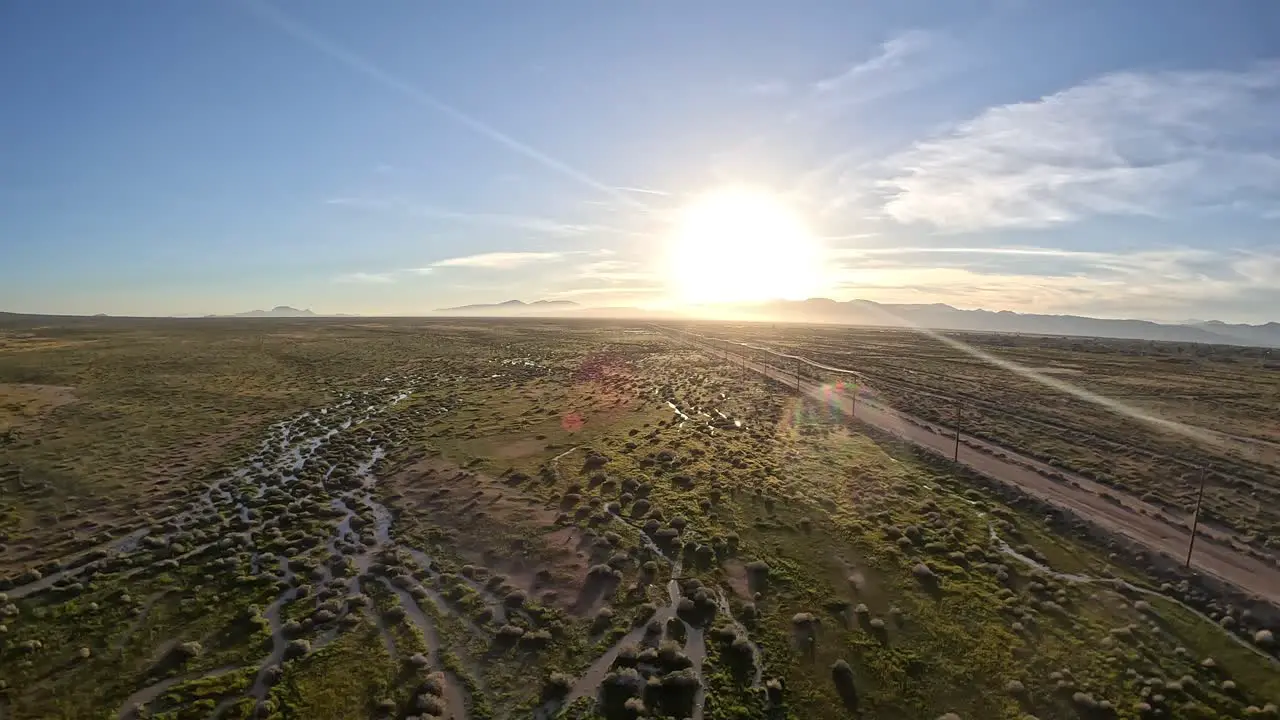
(23, 342)
(499, 527)
(520, 449)
(201, 451)
(22, 402)
(1057, 370)
(736, 577)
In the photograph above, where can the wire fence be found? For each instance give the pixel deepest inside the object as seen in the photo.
(1226, 495)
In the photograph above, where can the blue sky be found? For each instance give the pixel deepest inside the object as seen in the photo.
(1117, 159)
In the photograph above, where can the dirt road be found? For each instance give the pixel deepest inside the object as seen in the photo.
(1123, 515)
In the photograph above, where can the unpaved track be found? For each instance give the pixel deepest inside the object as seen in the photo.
(1075, 493)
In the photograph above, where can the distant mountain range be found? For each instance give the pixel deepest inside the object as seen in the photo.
(944, 317)
(278, 311)
(936, 316)
(861, 312)
(513, 307)
(281, 311)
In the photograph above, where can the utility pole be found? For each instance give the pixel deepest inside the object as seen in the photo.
(797, 376)
(853, 407)
(1195, 518)
(956, 456)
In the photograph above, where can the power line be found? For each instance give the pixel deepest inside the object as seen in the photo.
(1195, 517)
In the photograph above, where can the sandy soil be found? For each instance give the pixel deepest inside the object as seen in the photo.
(23, 402)
(558, 550)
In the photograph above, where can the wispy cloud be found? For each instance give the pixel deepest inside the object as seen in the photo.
(606, 279)
(1025, 251)
(1170, 283)
(848, 236)
(363, 203)
(531, 223)
(1129, 143)
(894, 53)
(769, 88)
(643, 191)
(614, 271)
(499, 260)
(612, 293)
(535, 224)
(368, 278)
(901, 64)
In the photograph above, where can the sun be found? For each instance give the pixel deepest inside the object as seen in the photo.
(741, 244)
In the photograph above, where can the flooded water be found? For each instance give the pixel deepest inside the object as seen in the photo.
(495, 606)
(758, 673)
(149, 693)
(589, 682)
(278, 641)
(294, 446)
(455, 699)
(696, 648)
(296, 464)
(677, 410)
(76, 568)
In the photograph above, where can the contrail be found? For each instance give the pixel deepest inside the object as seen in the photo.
(643, 191)
(360, 64)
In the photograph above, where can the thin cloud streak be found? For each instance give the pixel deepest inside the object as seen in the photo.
(493, 261)
(769, 88)
(901, 64)
(499, 260)
(1171, 284)
(362, 203)
(892, 54)
(305, 34)
(548, 226)
(609, 290)
(850, 236)
(1034, 252)
(614, 271)
(643, 191)
(522, 222)
(366, 278)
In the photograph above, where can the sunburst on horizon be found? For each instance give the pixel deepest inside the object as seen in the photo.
(742, 244)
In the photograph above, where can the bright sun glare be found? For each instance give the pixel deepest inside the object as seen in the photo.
(740, 244)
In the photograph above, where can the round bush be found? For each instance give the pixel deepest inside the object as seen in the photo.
(557, 685)
(843, 677)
